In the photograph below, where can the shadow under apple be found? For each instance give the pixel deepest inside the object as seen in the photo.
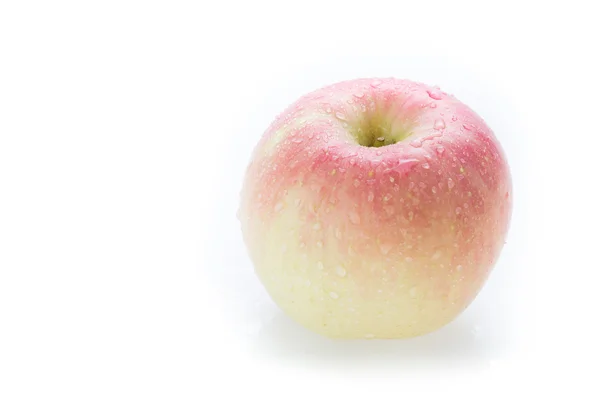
(463, 343)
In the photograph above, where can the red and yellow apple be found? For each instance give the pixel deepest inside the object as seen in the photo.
(375, 208)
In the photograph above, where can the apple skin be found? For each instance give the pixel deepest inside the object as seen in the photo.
(395, 241)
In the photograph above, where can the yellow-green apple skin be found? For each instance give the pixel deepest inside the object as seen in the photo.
(375, 208)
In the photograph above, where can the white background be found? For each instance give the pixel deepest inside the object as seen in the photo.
(125, 128)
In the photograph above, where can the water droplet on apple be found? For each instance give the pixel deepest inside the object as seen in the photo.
(356, 183)
(467, 127)
(435, 94)
(416, 143)
(454, 118)
(459, 267)
(338, 233)
(319, 244)
(437, 255)
(354, 218)
(351, 251)
(413, 292)
(432, 105)
(434, 189)
(278, 207)
(450, 183)
(458, 210)
(425, 165)
(360, 95)
(376, 83)
(334, 295)
(440, 150)
(370, 197)
(317, 226)
(439, 124)
(320, 265)
(385, 248)
(340, 271)
(297, 140)
(340, 115)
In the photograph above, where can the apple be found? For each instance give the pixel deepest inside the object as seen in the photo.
(375, 208)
